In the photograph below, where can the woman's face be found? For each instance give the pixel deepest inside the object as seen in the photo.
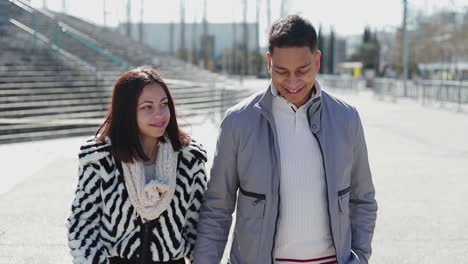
(152, 112)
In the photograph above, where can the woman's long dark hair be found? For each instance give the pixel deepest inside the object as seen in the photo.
(120, 124)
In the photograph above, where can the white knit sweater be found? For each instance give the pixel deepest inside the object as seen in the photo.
(303, 226)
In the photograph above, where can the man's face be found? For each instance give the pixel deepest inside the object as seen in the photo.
(293, 71)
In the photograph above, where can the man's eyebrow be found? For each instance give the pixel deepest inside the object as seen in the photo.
(305, 65)
(279, 67)
(301, 67)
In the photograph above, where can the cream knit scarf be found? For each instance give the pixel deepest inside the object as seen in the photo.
(153, 198)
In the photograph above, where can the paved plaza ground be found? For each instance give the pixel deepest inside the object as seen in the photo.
(418, 156)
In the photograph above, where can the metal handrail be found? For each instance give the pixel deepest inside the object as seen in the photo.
(49, 43)
(77, 36)
(74, 33)
(438, 91)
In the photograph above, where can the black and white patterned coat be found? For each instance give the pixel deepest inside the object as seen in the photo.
(103, 223)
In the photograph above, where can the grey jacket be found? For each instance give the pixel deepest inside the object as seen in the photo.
(247, 159)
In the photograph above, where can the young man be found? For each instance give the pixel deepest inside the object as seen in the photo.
(294, 161)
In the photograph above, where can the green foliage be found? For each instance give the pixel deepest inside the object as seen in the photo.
(369, 55)
(369, 51)
(367, 38)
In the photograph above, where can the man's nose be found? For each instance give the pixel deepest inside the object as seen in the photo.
(292, 81)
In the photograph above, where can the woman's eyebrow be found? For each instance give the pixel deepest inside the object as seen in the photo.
(146, 101)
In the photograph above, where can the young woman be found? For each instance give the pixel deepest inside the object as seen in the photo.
(141, 181)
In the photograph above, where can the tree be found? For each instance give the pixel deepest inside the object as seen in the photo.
(369, 56)
(369, 50)
(367, 38)
(436, 38)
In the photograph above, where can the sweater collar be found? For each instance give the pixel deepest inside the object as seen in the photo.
(314, 110)
(266, 101)
(315, 96)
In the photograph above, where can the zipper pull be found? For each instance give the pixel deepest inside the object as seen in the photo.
(340, 199)
(254, 203)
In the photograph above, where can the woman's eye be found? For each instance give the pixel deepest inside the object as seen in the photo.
(165, 104)
(146, 107)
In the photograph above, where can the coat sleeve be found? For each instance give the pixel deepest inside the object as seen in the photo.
(363, 206)
(198, 188)
(84, 221)
(220, 199)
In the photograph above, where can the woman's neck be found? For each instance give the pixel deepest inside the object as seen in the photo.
(150, 148)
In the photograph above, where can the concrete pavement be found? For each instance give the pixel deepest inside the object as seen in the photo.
(419, 160)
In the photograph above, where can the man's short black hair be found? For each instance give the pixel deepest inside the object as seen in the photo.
(292, 31)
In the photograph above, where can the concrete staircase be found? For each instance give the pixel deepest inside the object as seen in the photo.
(55, 84)
(118, 44)
(41, 97)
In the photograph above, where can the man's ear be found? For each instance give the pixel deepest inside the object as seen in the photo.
(268, 58)
(317, 60)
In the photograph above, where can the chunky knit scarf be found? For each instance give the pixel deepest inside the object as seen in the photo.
(153, 198)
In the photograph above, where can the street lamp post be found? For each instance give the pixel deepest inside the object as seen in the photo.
(104, 13)
(129, 18)
(140, 35)
(405, 46)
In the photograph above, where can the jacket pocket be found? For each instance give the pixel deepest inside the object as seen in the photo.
(257, 196)
(343, 200)
(343, 205)
(248, 230)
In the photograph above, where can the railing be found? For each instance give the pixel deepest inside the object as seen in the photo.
(428, 91)
(65, 37)
(48, 43)
(93, 45)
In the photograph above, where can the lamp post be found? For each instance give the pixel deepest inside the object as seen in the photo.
(405, 47)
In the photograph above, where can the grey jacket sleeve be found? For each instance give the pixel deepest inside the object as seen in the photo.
(363, 206)
(219, 200)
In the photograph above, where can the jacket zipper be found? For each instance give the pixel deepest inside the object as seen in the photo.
(276, 228)
(326, 183)
(279, 185)
(279, 202)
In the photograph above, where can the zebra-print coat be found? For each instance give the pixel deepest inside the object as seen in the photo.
(103, 223)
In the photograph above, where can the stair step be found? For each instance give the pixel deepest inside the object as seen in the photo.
(33, 85)
(41, 135)
(53, 91)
